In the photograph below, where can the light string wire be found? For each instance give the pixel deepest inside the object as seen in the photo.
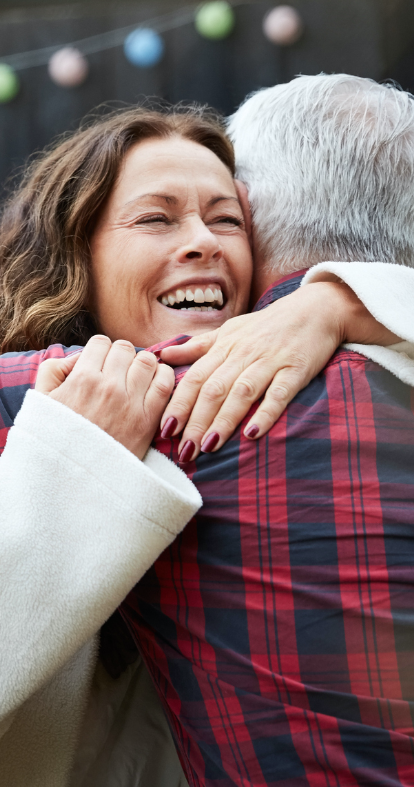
(108, 40)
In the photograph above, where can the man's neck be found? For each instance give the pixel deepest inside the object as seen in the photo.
(264, 277)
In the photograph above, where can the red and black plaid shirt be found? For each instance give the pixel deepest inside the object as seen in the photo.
(279, 627)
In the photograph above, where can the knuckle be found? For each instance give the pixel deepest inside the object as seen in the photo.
(266, 415)
(146, 359)
(245, 389)
(112, 389)
(124, 344)
(214, 389)
(163, 388)
(298, 361)
(180, 406)
(49, 363)
(202, 342)
(100, 339)
(195, 376)
(278, 393)
(86, 378)
(195, 431)
(224, 423)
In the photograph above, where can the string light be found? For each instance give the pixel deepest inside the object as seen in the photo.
(102, 41)
(143, 45)
(9, 83)
(215, 20)
(68, 67)
(283, 25)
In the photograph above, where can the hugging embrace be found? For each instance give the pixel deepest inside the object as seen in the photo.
(260, 554)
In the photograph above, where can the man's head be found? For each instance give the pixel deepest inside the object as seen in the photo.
(329, 165)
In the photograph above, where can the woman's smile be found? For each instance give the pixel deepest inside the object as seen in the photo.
(170, 252)
(195, 296)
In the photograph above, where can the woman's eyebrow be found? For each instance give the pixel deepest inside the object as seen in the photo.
(221, 198)
(167, 197)
(171, 200)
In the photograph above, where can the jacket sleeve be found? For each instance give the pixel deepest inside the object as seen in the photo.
(387, 291)
(82, 519)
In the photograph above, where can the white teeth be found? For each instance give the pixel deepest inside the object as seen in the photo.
(210, 295)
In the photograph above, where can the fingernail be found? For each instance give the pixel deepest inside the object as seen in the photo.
(252, 431)
(210, 442)
(169, 427)
(187, 451)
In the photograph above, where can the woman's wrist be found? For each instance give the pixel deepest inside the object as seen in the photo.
(352, 320)
(355, 323)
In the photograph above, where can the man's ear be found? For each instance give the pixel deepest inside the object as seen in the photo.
(243, 196)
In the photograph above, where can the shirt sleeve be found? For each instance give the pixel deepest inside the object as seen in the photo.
(387, 291)
(82, 519)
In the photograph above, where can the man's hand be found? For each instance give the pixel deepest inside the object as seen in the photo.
(275, 352)
(119, 390)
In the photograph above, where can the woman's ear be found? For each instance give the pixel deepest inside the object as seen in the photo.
(243, 196)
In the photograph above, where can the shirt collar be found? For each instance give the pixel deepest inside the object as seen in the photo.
(280, 288)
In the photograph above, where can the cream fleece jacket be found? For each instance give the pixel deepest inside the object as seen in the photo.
(82, 519)
(388, 293)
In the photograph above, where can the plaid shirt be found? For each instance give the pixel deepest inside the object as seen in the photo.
(279, 627)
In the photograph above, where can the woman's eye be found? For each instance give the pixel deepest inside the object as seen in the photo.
(159, 217)
(229, 220)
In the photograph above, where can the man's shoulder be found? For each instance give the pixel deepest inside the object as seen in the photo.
(360, 387)
(354, 413)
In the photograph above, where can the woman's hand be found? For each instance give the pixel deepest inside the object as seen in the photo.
(119, 390)
(275, 352)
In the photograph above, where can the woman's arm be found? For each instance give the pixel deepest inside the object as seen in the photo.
(277, 351)
(82, 519)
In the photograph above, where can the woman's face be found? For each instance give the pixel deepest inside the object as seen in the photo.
(170, 253)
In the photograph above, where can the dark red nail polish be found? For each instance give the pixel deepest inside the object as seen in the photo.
(169, 427)
(187, 451)
(210, 443)
(252, 431)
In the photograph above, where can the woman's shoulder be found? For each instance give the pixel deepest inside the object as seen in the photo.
(18, 372)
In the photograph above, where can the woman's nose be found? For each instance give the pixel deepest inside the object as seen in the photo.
(203, 246)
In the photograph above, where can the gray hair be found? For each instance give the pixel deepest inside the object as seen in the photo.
(329, 165)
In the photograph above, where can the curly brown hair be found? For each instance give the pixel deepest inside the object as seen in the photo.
(46, 224)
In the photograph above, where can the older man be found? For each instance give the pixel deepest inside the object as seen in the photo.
(279, 628)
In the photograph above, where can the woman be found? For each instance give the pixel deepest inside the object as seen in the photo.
(105, 229)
